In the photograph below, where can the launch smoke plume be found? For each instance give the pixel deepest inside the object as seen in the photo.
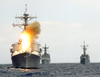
(32, 30)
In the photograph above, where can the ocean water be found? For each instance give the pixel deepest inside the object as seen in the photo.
(53, 70)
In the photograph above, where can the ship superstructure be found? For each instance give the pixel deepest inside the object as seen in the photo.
(84, 58)
(25, 18)
(45, 56)
(29, 58)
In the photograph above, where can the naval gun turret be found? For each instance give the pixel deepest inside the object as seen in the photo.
(45, 56)
(84, 58)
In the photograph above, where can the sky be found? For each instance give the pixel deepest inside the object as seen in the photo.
(65, 24)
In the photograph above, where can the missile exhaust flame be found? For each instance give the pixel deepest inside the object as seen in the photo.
(29, 35)
(25, 41)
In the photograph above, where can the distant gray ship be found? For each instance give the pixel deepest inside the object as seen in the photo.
(45, 56)
(84, 58)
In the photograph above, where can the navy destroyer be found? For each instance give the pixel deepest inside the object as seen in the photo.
(84, 58)
(25, 58)
(45, 56)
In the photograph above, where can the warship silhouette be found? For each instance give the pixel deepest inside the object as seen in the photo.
(25, 59)
(45, 56)
(84, 58)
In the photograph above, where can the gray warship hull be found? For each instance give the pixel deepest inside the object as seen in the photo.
(26, 60)
(45, 61)
(84, 59)
(46, 58)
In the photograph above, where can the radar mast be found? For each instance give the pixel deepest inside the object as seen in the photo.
(25, 18)
(45, 49)
(84, 47)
